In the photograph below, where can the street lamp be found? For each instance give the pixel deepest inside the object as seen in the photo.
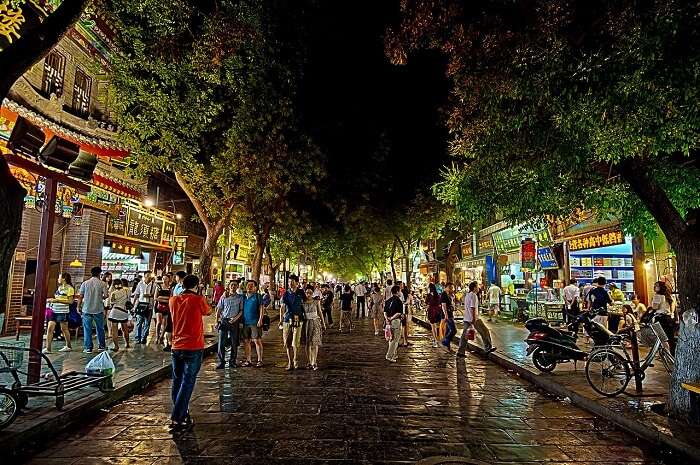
(149, 202)
(178, 216)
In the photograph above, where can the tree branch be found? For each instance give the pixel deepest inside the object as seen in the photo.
(195, 201)
(35, 43)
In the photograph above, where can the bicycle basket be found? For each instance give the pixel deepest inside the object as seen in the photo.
(14, 352)
(650, 333)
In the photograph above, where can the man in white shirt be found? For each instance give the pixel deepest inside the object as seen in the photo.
(571, 298)
(360, 293)
(471, 318)
(494, 301)
(145, 292)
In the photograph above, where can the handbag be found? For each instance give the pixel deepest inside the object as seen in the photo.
(48, 314)
(443, 329)
(74, 318)
(387, 332)
(142, 309)
(471, 334)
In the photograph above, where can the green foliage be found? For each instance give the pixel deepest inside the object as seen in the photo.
(550, 96)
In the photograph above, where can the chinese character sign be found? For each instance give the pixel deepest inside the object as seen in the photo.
(527, 254)
(546, 258)
(596, 240)
(179, 247)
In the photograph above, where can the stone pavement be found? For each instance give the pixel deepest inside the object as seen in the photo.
(358, 408)
(135, 369)
(630, 411)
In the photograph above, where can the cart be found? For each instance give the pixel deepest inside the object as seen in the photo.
(15, 396)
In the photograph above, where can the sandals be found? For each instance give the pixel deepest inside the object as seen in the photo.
(289, 367)
(247, 363)
(259, 364)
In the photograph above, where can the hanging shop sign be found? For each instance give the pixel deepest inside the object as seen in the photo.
(528, 257)
(601, 239)
(470, 264)
(194, 245)
(179, 248)
(141, 226)
(508, 240)
(485, 245)
(126, 249)
(546, 258)
(467, 249)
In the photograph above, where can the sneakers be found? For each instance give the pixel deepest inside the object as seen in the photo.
(65, 349)
(392, 360)
(435, 343)
(87, 351)
(376, 333)
(46, 350)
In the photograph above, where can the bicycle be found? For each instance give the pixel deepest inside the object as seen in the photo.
(609, 368)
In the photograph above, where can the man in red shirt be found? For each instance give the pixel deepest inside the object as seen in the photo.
(186, 310)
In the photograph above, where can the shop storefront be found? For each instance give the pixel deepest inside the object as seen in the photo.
(137, 240)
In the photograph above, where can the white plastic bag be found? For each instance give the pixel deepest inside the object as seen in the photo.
(101, 365)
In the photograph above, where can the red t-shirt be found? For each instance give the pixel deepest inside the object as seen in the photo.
(186, 311)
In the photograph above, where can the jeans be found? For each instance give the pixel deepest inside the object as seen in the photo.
(450, 333)
(143, 326)
(360, 304)
(186, 365)
(327, 313)
(231, 333)
(480, 328)
(99, 319)
(391, 352)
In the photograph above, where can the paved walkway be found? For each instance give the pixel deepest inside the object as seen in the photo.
(358, 408)
(135, 368)
(629, 409)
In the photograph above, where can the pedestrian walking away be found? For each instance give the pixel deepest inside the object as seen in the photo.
(187, 311)
(91, 304)
(229, 314)
(314, 325)
(447, 302)
(252, 323)
(377, 310)
(164, 325)
(293, 321)
(360, 291)
(143, 308)
(471, 318)
(494, 294)
(119, 312)
(327, 304)
(346, 309)
(434, 311)
(571, 301)
(393, 312)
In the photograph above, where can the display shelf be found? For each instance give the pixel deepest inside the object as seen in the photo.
(603, 266)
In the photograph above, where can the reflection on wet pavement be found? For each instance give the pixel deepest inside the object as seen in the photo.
(358, 408)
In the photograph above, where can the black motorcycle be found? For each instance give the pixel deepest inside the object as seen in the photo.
(549, 346)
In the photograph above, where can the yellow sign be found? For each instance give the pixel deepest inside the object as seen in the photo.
(596, 240)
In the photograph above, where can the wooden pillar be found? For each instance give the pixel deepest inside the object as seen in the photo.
(41, 283)
(640, 272)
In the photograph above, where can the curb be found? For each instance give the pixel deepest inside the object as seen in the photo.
(17, 444)
(630, 425)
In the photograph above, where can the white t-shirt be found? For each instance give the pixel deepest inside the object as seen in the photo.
(360, 290)
(494, 295)
(145, 292)
(570, 293)
(471, 302)
(659, 302)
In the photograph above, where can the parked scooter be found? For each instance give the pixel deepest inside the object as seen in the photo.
(550, 346)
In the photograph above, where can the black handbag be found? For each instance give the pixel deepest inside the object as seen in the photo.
(142, 309)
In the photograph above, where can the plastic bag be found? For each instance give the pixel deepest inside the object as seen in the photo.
(471, 334)
(387, 332)
(101, 365)
(443, 329)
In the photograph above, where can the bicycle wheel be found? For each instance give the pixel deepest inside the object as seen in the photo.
(667, 359)
(607, 372)
(8, 407)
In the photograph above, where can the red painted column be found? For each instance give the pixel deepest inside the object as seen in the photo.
(41, 284)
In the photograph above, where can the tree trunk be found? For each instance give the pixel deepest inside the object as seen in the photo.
(393, 266)
(257, 259)
(407, 264)
(11, 206)
(451, 258)
(35, 43)
(684, 237)
(207, 255)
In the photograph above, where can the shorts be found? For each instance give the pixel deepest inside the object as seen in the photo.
(59, 317)
(114, 320)
(434, 316)
(291, 337)
(251, 332)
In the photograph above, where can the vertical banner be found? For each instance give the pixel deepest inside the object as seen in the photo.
(528, 254)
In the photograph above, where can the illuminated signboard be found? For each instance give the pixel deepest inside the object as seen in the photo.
(141, 226)
(528, 254)
(546, 258)
(596, 240)
(179, 247)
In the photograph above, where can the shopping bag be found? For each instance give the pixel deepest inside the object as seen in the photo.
(100, 365)
(74, 318)
(443, 329)
(471, 334)
(387, 332)
(48, 314)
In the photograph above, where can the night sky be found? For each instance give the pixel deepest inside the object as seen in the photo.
(378, 124)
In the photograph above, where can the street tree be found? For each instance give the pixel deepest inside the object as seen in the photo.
(28, 43)
(558, 106)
